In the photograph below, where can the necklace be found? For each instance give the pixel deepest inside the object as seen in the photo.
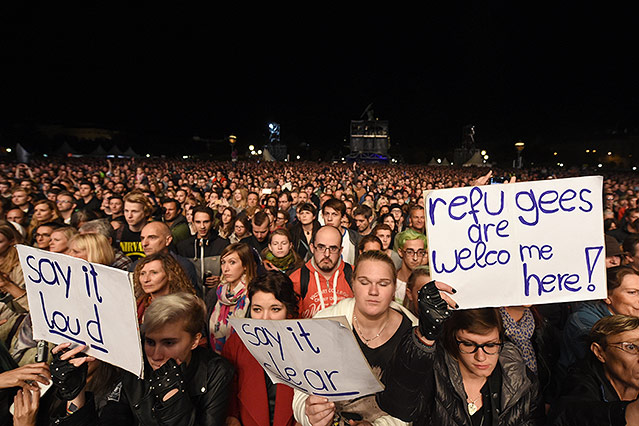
(359, 330)
(472, 408)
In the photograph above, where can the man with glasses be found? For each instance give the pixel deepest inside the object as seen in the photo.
(66, 205)
(411, 247)
(325, 279)
(603, 389)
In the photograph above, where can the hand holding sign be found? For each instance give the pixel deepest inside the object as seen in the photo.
(315, 356)
(433, 308)
(72, 300)
(519, 244)
(319, 410)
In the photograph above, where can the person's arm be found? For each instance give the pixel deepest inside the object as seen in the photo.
(409, 378)
(26, 376)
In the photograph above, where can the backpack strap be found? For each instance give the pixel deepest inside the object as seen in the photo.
(348, 274)
(305, 276)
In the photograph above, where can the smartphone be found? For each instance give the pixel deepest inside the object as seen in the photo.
(267, 191)
(498, 179)
(351, 416)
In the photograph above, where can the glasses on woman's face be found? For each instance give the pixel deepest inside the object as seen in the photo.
(628, 347)
(490, 348)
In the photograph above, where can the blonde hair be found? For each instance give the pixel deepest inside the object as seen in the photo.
(376, 256)
(11, 259)
(138, 197)
(171, 308)
(97, 246)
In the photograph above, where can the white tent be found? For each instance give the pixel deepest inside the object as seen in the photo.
(267, 155)
(476, 160)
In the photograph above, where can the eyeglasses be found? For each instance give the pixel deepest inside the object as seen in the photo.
(322, 248)
(471, 347)
(631, 348)
(413, 253)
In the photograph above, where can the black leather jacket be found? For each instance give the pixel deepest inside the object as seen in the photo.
(424, 385)
(588, 398)
(208, 382)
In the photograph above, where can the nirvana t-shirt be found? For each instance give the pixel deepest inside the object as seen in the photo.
(130, 244)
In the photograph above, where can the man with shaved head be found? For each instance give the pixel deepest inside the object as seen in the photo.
(155, 238)
(325, 279)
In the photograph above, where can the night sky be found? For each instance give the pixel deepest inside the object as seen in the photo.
(542, 74)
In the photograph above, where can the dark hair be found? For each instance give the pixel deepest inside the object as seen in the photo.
(307, 207)
(260, 218)
(335, 204)
(476, 321)
(287, 216)
(203, 209)
(614, 276)
(86, 182)
(363, 210)
(280, 286)
(608, 223)
(288, 195)
(370, 238)
(167, 200)
(630, 245)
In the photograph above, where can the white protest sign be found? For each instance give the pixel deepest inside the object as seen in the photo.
(519, 244)
(72, 300)
(315, 356)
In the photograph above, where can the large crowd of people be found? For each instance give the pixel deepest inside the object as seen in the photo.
(208, 241)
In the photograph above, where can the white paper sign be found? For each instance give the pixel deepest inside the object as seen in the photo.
(315, 356)
(72, 300)
(519, 244)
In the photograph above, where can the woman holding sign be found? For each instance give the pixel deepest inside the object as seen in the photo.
(255, 400)
(184, 384)
(378, 324)
(455, 369)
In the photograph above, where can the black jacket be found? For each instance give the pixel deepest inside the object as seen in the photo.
(208, 383)
(213, 246)
(588, 398)
(301, 246)
(424, 385)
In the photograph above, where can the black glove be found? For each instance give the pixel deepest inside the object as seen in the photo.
(68, 379)
(433, 311)
(165, 379)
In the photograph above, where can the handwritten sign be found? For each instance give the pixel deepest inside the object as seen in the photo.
(72, 300)
(315, 356)
(519, 244)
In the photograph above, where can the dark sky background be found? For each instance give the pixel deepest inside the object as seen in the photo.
(545, 75)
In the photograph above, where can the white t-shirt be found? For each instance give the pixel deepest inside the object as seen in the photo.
(400, 291)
